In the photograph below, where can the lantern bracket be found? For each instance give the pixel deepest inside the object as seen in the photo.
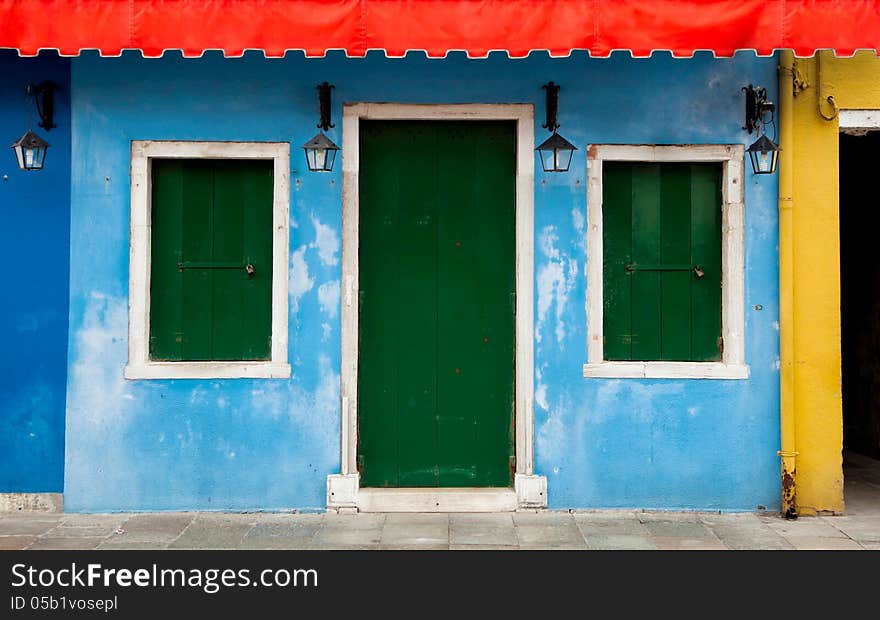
(44, 99)
(757, 107)
(552, 106)
(324, 105)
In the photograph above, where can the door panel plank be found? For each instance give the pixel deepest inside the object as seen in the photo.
(706, 232)
(198, 246)
(166, 280)
(675, 249)
(617, 249)
(646, 250)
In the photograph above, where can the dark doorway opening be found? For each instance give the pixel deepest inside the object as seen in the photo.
(860, 314)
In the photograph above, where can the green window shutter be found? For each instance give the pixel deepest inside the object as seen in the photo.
(210, 219)
(661, 226)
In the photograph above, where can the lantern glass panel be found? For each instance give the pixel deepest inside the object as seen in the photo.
(315, 157)
(19, 155)
(563, 159)
(548, 160)
(329, 159)
(764, 162)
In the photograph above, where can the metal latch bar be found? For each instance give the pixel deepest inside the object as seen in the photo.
(194, 264)
(695, 268)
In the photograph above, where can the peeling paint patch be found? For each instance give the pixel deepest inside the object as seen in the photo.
(99, 384)
(299, 282)
(556, 280)
(326, 242)
(577, 218)
(328, 298)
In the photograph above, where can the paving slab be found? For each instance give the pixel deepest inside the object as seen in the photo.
(88, 531)
(680, 529)
(818, 543)
(861, 528)
(550, 517)
(158, 528)
(66, 544)
(420, 547)
(294, 534)
(18, 524)
(288, 517)
(733, 518)
(483, 547)
(211, 531)
(595, 525)
(414, 530)
(317, 545)
(482, 529)
(555, 531)
(669, 517)
(114, 545)
(745, 535)
(681, 543)
(113, 520)
(349, 532)
(805, 526)
(622, 542)
(15, 543)
(359, 521)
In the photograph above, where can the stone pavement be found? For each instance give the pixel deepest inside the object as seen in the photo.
(622, 529)
(522, 530)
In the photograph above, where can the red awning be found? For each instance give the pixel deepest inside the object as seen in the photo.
(439, 26)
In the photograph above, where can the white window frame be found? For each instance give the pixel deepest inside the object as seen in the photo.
(732, 364)
(139, 364)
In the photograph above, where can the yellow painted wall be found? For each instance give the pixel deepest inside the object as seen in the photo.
(855, 84)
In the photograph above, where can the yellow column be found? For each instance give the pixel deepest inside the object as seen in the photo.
(814, 323)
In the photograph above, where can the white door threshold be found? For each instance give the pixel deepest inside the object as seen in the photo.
(436, 500)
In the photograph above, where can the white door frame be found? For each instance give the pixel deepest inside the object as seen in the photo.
(343, 490)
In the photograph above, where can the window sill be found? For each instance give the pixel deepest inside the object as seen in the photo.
(208, 370)
(666, 370)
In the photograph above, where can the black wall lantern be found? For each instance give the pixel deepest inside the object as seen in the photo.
(320, 150)
(764, 152)
(555, 151)
(30, 149)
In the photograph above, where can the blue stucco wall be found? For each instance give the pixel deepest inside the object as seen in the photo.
(34, 250)
(269, 444)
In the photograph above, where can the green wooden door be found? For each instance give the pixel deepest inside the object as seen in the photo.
(437, 256)
(662, 261)
(210, 220)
